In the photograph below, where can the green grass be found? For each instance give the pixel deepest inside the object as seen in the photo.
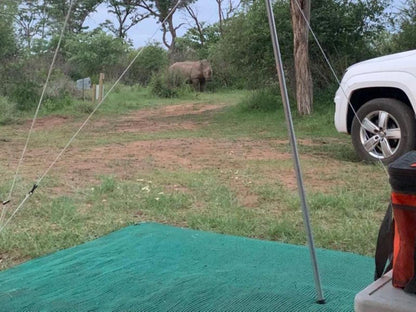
(347, 198)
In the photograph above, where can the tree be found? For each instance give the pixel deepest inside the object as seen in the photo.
(226, 11)
(198, 25)
(153, 59)
(31, 20)
(243, 56)
(8, 46)
(300, 12)
(348, 31)
(405, 39)
(127, 15)
(191, 47)
(93, 52)
(58, 9)
(163, 11)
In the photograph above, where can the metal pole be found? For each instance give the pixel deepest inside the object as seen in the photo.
(288, 115)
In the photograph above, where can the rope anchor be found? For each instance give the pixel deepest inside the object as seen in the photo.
(34, 187)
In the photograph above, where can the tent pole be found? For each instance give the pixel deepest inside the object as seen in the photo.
(288, 115)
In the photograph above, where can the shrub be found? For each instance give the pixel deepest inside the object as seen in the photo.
(92, 52)
(7, 111)
(152, 59)
(168, 85)
(23, 81)
(51, 105)
(25, 94)
(60, 86)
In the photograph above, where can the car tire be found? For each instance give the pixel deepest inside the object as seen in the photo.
(383, 130)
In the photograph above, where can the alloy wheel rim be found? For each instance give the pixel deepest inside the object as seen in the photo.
(380, 134)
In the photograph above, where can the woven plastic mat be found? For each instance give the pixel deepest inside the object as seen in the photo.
(154, 267)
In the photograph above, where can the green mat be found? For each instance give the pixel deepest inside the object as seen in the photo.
(153, 267)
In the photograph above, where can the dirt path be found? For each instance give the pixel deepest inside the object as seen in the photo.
(81, 166)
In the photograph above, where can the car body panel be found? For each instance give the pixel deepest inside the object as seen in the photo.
(393, 71)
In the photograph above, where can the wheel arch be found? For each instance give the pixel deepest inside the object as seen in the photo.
(361, 96)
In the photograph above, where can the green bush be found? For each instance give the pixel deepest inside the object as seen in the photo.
(7, 111)
(59, 92)
(60, 86)
(23, 80)
(152, 59)
(90, 53)
(168, 85)
(26, 94)
(51, 105)
(264, 100)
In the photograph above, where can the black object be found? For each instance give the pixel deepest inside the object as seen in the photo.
(402, 173)
(35, 186)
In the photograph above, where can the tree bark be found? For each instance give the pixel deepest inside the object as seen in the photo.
(220, 15)
(198, 25)
(160, 9)
(304, 85)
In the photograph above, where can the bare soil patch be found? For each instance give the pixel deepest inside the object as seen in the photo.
(83, 166)
(47, 123)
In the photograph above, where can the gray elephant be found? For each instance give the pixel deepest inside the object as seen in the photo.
(195, 72)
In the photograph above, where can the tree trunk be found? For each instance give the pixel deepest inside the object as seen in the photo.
(304, 86)
(220, 16)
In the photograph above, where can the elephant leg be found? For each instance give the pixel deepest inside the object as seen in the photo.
(195, 83)
(202, 85)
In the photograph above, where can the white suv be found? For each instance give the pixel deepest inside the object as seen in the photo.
(376, 103)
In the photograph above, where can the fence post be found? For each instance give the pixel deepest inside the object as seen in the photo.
(94, 93)
(101, 88)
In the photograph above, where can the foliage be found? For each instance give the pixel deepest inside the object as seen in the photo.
(26, 94)
(152, 59)
(190, 47)
(7, 111)
(163, 11)
(31, 22)
(161, 8)
(23, 80)
(127, 16)
(59, 93)
(246, 60)
(8, 45)
(405, 39)
(58, 9)
(93, 52)
(159, 86)
(348, 31)
(168, 85)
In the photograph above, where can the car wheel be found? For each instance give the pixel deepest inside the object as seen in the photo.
(383, 129)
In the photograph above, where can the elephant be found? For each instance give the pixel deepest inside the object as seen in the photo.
(195, 72)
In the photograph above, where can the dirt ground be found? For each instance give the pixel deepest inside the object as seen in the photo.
(82, 165)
